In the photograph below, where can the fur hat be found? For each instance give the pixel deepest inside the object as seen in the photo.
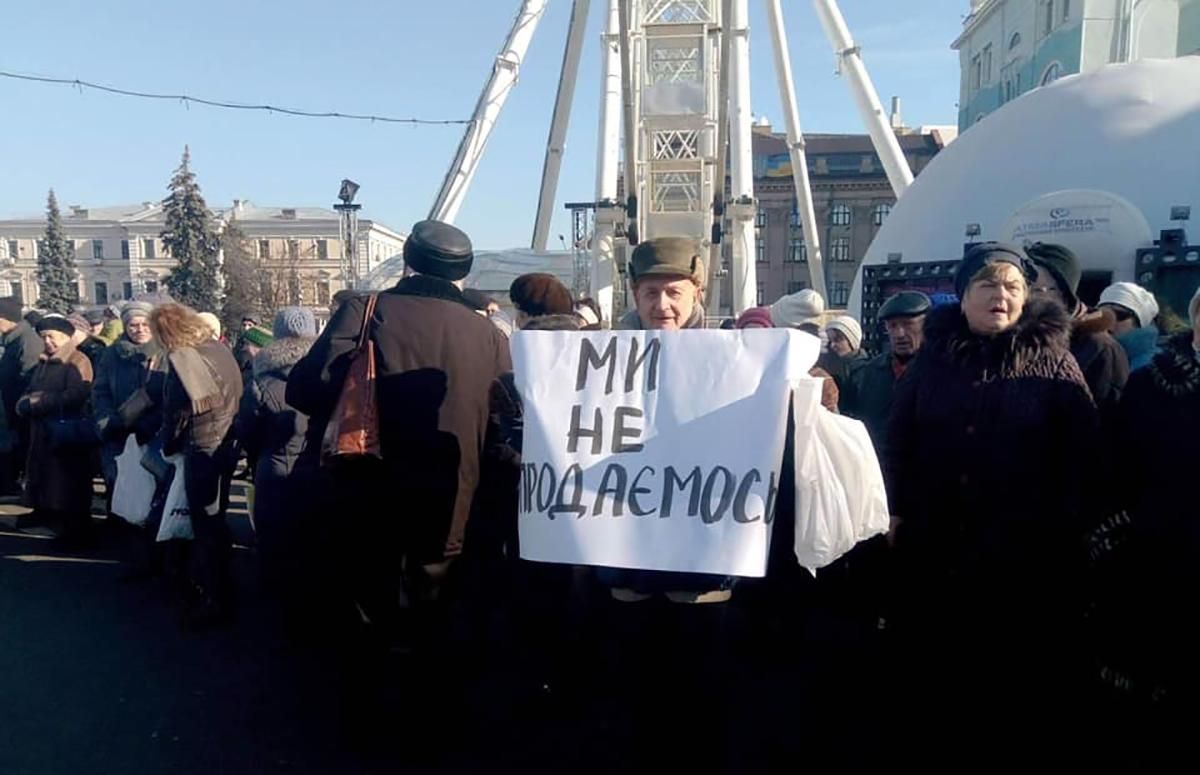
(755, 317)
(1134, 298)
(439, 249)
(132, 309)
(849, 328)
(258, 336)
(212, 321)
(55, 323)
(10, 308)
(294, 321)
(539, 293)
(797, 309)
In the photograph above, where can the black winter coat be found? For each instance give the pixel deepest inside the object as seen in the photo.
(268, 429)
(121, 371)
(872, 385)
(22, 353)
(436, 361)
(1101, 358)
(991, 455)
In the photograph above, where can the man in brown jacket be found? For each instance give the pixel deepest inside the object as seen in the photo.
(436, 361)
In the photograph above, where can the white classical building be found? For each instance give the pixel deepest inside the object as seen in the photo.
(1008, 47)
(119, 253)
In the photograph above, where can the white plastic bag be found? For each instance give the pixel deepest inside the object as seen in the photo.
(133, 492)
(177, 516)
(840, 497)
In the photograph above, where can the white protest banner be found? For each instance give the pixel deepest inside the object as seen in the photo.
(654, 450)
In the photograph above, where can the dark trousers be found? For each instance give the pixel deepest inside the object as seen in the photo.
(207, 481)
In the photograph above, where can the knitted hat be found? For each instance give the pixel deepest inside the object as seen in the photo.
(258, 336)
(55, 323)
(1063, 266)
(988, 253)
(10, 308)
(1194, 308)
(293, 322)
(755, 317)
(135, 309)
(94, 317)
(849, 328)
(212, 322)
(794, 310)
(1134, 298)
(80, 322)
(439, 250)
(539, 293)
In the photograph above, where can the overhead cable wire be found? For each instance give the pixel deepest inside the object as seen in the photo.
(184, 98)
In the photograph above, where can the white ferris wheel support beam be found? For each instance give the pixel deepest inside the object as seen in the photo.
(796, 147)
(505, 73)
(608, 155)
(629, 121)
(866, 98)
(556, 143)
(741, 162)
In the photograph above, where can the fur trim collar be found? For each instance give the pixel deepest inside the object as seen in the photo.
(1092, 322)
(281, 355)
(127, 350)
(1176, 370)
(1043, 327)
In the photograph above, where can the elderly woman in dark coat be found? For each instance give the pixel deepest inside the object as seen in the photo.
(272, 433)
(123, 392)
(58, 484)
(988, 452)
(200, 400)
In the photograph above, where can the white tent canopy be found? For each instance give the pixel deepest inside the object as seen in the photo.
(1093, 161)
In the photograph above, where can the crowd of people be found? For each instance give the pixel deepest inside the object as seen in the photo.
(1045, 535)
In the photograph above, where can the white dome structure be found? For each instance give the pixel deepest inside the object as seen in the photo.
(1095, 162)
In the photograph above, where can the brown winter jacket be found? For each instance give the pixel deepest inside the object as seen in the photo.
(185, 429)
(436, 361)
(60, 388)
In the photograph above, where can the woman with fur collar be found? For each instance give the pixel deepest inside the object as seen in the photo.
(1159, 423)
(989, 441)
(272, 433)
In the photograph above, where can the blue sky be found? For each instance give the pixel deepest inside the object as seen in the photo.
(384, 57)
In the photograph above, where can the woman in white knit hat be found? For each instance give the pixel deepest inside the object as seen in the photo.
(1135, 310)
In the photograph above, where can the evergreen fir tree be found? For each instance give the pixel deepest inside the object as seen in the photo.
(58, 283)
(242, 272)
(190, 239)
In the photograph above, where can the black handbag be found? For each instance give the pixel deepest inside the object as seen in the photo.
(72, 433)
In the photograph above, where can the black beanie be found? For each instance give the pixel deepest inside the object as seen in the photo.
(988, 253)
(1063, 265)
(10, 308)
(439, 249)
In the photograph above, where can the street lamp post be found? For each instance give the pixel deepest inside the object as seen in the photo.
(348, 232)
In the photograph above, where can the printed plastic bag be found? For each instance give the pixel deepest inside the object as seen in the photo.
(177, 516)
(133, 491)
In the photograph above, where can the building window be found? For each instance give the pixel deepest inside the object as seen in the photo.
(16, 291)
(976, 72)
(264, 249)
(1048, 23)
(761, 295)
(1051, 74)
(1014, 41)
(151, 286)
(840, 249)
(840, 215)
(880, 213)
(1066, 10)
(322, 288)
(98, 249)
(987, 63)
(127, 290)
(124, 250)
(148, 248)
(797, 251)
(796, 286)
(322, 249)
(794, 220)
(293, 247)
(839, 295)
(101, 293)
(760, 250)
(760, 219)
(13, 249)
